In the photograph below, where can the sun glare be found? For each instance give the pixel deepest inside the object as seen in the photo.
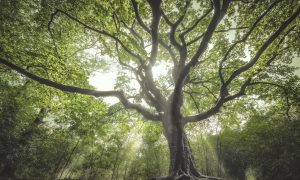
(106, 81)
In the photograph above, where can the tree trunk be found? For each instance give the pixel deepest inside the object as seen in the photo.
(182, 164)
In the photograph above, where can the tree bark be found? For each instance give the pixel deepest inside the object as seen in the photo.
(181, 162)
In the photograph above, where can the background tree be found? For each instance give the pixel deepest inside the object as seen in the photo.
(266, 146)
(214, 50)
(73, 137)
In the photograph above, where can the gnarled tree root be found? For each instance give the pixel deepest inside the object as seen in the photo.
(180, 175)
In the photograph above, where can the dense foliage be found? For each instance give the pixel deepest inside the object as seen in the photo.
(266, 146)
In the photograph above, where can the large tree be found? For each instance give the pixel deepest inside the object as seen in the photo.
(213, 50)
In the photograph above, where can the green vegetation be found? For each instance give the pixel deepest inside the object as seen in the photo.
(226, 106)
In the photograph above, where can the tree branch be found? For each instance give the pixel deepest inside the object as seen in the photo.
(169, 49)
(156, 14)
(50, 31)
(216, 108)
(204, 115)
(218, 15)
(177, 95)
(135, 34)
(104, 33)
(243, 39)
(197, 22)
(202, 47)
(240, 93)
(223, 91)
(175, 25)
(193, 99)
(181, 48)
(138, 17)
(118, 94)
(262, 48)
(143, 25)
(121, 62)
(149, 77)
(149, 97)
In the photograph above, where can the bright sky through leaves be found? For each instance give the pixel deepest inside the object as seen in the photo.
(106, 80)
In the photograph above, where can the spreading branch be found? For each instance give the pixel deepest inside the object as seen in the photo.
(138, 17)
(135, 34)
(118, 94)
(244, 38)
(149, 77)
(224, 96)
(105, 33)
(191, 28)
(51, 32)
(262, 49)
(218, 15)
(148, 30)
(156, 14)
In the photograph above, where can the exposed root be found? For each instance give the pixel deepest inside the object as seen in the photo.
(180, 175)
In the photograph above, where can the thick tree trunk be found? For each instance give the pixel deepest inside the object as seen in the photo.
(182, 164)
(181, 159)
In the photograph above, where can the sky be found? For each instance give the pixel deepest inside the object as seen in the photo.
(106, 80)
(297, 64)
